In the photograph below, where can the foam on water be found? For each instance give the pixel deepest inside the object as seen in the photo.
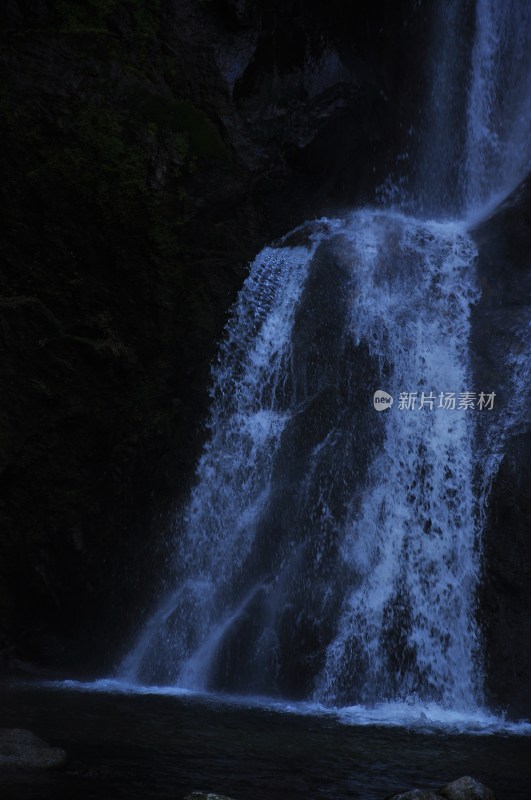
(423, 718)
(433, 718)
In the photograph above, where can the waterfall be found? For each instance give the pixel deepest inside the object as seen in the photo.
(329, 551)
(407, 626)
(498, 152)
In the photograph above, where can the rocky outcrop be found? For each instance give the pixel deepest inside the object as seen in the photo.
(149, 151)
(500, 325)
(22, 750)
(465, 788)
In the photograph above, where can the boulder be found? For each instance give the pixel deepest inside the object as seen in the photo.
(466, 788)
(21, 749)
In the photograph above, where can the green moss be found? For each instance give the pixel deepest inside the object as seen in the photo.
(101, 160)
(163, 235)
(202, 312)
(183, 118)
(101, 165)
(146, 20)
(75, 16)
(104, 162)
(181, 146)
(83, 15)
(6, 108)
(100, 133)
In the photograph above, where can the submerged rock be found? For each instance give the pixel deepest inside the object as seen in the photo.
(466, 788)
(415, 794)
(206, 796)
(21, 749)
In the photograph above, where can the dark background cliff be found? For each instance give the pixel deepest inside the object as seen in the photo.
(500, 344)
(148, 152)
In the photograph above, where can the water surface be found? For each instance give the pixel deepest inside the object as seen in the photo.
(163, 746)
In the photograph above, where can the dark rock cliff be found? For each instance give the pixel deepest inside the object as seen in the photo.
(500, 325)
(148, 151)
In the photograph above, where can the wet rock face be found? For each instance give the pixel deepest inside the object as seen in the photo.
(500, 340)
(148, 154)
(506, 605)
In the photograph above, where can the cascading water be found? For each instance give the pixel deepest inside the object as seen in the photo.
(329, 551)
(407, 627)
(498, 153)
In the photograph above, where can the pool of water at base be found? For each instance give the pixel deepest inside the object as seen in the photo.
(134, 745)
